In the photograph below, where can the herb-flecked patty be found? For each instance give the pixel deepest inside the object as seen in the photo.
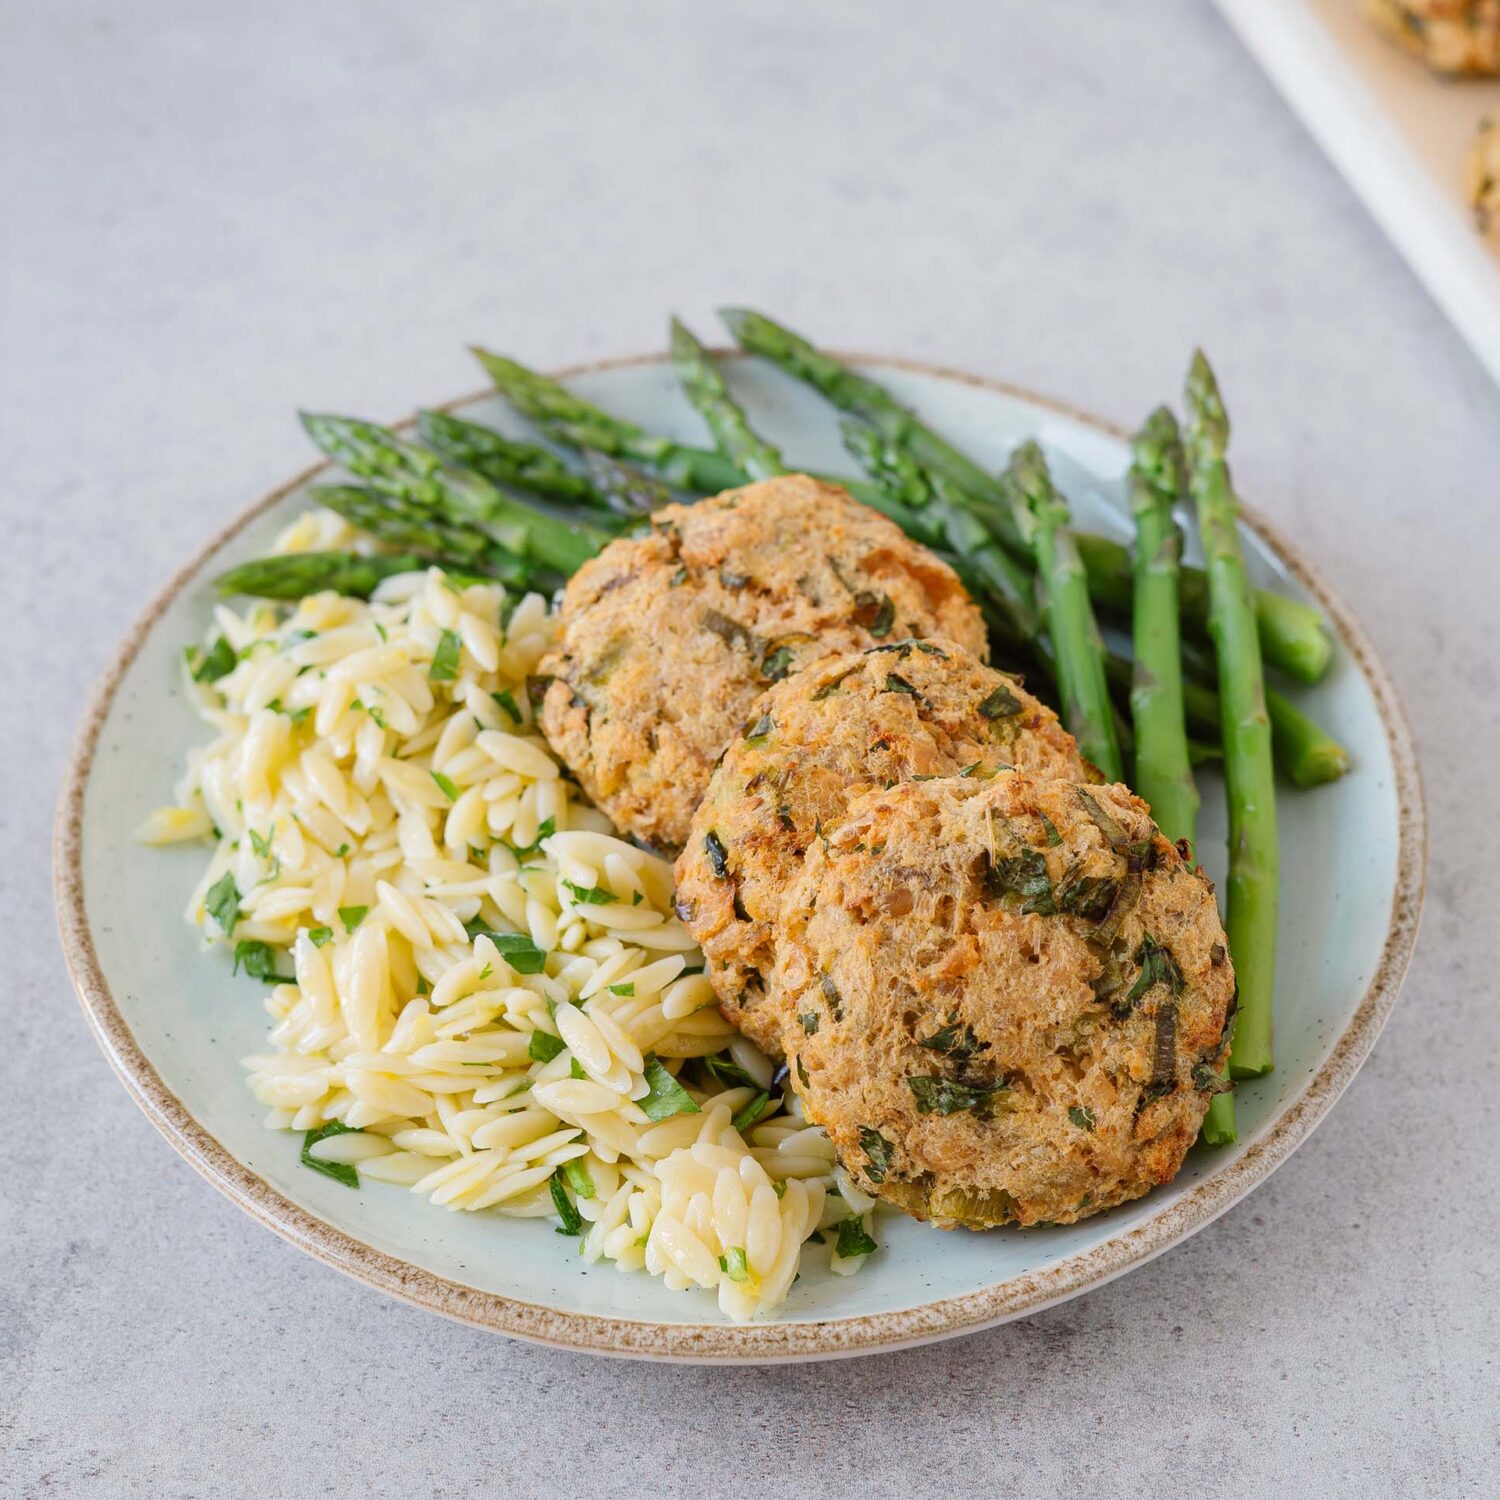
(1008, 998)
(843, 726)
(667, 639)
(1459, 37)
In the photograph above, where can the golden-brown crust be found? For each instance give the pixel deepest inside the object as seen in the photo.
(667, 639)
(837, 729)
(1009, 998)
(1484, 175)
(1457, 37)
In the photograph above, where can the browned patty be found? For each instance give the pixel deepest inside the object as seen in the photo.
(1459, 37)
(813, 742)
(668, 639)
(1009, 998)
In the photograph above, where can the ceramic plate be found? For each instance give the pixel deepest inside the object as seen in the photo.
(174, 1023)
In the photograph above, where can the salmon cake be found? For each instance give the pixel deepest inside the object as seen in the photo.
(843, 726)
(667, 639)
(1009, 999)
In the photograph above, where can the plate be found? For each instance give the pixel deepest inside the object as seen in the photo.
(174, 1024)
(1399, 133)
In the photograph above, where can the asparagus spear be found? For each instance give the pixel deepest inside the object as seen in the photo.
(1245, 726)
(420, 533)
(1042, 518)
(1163, 772)
(413, 475)
(571, 420)
(1305, 753)
(293, 575)
(625, 488)
(1292, 634)
(704, 387)
(503, 460)
(929, 504)
(862, 397)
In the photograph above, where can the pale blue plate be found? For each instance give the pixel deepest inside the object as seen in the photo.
(175, 1023)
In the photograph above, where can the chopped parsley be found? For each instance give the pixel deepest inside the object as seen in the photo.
(752, 1112)
(854, 1240)
(665, 1097)
(340, 1171)
(209, 666)
(1054, 838)
(445, 659)
(759, 731)
(259, 960)
(810, 1021)
(516, 948)
(506, 699)
(446, 786)
(627, 988)
(777, 664)
(352, 916)
(1157, 967)
(944, 1096)
(894, 683)
(1082, 1116)
(571, 1221)
(956, 1039)
(878, 1151)
(590, 895)
(1001, 704)
(319, 935)
(1023, 875)
(223, 903)
(543, 1046)
(726, 1072)
(261, 845)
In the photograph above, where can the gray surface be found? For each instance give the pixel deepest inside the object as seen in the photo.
(213, 212)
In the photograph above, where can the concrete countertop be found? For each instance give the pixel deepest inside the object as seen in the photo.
(216, 213)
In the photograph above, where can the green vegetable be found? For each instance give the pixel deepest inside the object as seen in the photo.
(1254, 857)
(752, 1112)
(1023, 875)
(567, 1212)
(446, 786)
(1043, 521)
(590, 895)
(853, 1240)
(1082, 1116)
(956, 1040)
(516, 948)
(578, 1178)
(259, 960)
(879, 1153)
(340, 1171)
(507, 701)
(223, 903)
(209, 666)
(944, 1096)
(445, 658)
(319, 935)
(1001, 704)
(665, 1097)
(1163, 771)
(295, 575)
(705, 388)
(352, 916)
(543, 1046)
(1157, 967)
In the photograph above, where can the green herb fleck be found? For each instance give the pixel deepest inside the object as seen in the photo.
(1054, 838)
(760, 730)
(543, 1046)
(590, 895)
(445, 659)
(352, 916)
(1025, 875)
(259, 960)
(810, 1022)
(943, 1096)
(627, 988)
(506, 699)
(752, 1112)
(878, 1151)
(777, 664)
(665, 1097)
(446, 786)
(1001, 704)
(319, 935)
(734, 1265)
(956, 1039)
(1157, 967)
(340, 1171)
(854, 1240)
(578, 1178)
(718, 856)
(223, 903)
(1082, 1116)
(209, 666)
(567, 1211)
(261, 845)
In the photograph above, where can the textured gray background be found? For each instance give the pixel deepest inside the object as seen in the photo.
(213, 212)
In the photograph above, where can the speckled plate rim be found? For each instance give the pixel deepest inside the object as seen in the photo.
(751, 1343)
